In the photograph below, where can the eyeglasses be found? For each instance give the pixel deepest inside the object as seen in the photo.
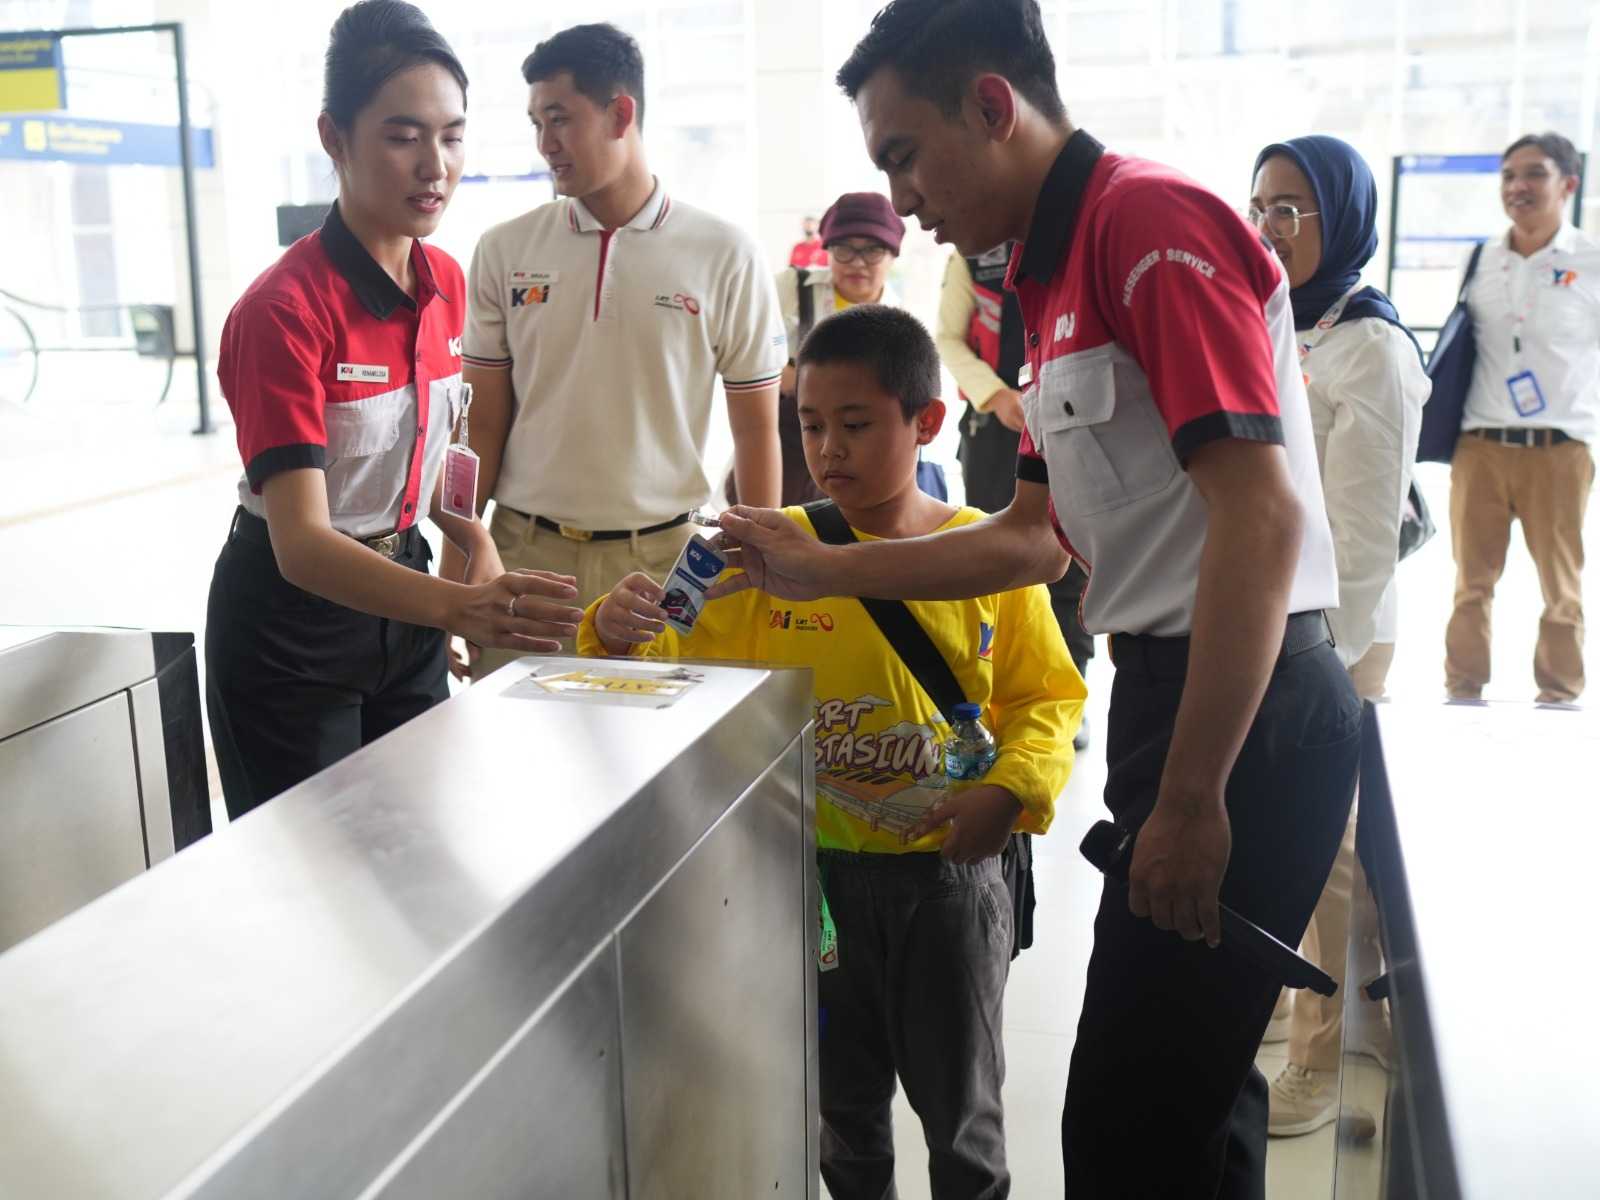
(845, 252)
(1280, 220)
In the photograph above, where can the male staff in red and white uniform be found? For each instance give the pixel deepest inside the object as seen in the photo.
(1170, 449)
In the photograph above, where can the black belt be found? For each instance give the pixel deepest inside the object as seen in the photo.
(596, 535)
(1168, 657)
(248, 527)
(1533, 439)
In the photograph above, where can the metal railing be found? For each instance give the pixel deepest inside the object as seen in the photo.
(153, 336)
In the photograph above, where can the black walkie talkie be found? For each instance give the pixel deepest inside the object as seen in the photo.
(1110, 849)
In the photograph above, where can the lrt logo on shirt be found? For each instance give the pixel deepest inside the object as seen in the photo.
(680, 303)
(1564, 278)
(532, 294)
(785, 618)
(985, 639)
(1066, 326)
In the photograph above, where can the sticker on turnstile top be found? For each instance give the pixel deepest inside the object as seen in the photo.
(641, 686)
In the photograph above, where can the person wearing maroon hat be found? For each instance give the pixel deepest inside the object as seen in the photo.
(861, 234)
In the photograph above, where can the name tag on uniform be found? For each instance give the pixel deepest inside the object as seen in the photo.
(1526, 397)
(362, 373)
(1024, 375)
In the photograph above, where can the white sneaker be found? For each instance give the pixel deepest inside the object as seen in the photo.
(1301, 1100)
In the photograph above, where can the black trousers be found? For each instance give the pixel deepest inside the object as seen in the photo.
(924, 951)
(988, 457)
(294, 682)
(1163, 1098)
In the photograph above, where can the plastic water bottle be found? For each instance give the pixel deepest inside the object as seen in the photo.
(970, 752)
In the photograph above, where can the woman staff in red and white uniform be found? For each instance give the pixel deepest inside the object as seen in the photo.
(342, 367)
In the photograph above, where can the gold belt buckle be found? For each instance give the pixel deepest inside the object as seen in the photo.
(386, 545)
(576, 535)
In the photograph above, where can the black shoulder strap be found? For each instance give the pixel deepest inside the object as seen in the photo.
(808, 309)
(1472, 269)
(895, 621)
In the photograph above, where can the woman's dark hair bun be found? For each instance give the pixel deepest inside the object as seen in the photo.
(371, 42)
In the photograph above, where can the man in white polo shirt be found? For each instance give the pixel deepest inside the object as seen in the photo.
(596, 328)
(1532, 410)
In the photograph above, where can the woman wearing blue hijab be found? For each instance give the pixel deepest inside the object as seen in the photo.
(1315, 202)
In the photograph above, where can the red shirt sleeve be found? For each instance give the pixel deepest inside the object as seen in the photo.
(1187, 284)
(271, 368)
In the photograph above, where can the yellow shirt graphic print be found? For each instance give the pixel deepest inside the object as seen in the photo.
(879, 738)
(886, 780)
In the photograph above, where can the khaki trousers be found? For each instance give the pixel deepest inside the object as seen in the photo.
(598, 566)
(1547, 489)
(1316, 1022)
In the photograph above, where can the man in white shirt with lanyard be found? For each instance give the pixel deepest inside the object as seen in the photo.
(1532, 410)
(596, 327)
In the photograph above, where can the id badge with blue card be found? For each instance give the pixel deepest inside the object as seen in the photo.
(1526, 397)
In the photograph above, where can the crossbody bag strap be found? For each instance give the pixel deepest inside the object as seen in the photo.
(1472, 269)
(895, 621)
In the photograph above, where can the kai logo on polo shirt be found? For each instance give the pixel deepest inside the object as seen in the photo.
(532, 287)
(362, 373)
(1066, 326)
(787, 618)
(455, 347)
(680, 303)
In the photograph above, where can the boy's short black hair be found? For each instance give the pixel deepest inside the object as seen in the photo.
(890, 341)
(1554, 147)
(369, 44)
(937, 46)
(603, 60)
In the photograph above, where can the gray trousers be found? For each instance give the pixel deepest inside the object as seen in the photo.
(924, 950)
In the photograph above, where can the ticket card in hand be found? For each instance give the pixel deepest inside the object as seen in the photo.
(695, 571)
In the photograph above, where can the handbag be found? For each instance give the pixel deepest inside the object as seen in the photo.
(1416, 523)
(908, 639)
(1450, 368)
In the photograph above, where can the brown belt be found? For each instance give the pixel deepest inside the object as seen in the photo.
(248, 527)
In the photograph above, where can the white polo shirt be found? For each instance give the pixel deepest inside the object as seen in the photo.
(1556, 294)
(614, 340)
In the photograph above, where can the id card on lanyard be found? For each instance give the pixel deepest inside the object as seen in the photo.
(461, 469)
(1317, 332)
(1522, 386)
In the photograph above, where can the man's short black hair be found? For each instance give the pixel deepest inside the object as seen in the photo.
(1554, 147)
(890, 341)
(604, 62)
(938, 46)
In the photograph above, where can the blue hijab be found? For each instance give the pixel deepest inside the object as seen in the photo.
(1347, 200)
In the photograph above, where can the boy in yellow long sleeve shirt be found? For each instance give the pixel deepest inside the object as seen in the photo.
(909, 866)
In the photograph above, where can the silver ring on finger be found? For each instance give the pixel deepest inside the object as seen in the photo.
(511, 607)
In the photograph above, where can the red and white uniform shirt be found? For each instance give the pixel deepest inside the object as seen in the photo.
(1157, 321)
(326, 362)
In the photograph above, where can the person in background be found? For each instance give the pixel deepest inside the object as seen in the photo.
(1315, 201)
(908, 866)
(340, 364)
(1532, 411)
(597, 327)
(980, 338)
(808, 251)
(861, 236)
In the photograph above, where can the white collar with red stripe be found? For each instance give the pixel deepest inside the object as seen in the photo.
(652, 216)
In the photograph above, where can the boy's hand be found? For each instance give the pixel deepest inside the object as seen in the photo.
(981, 818)
(630, 615)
